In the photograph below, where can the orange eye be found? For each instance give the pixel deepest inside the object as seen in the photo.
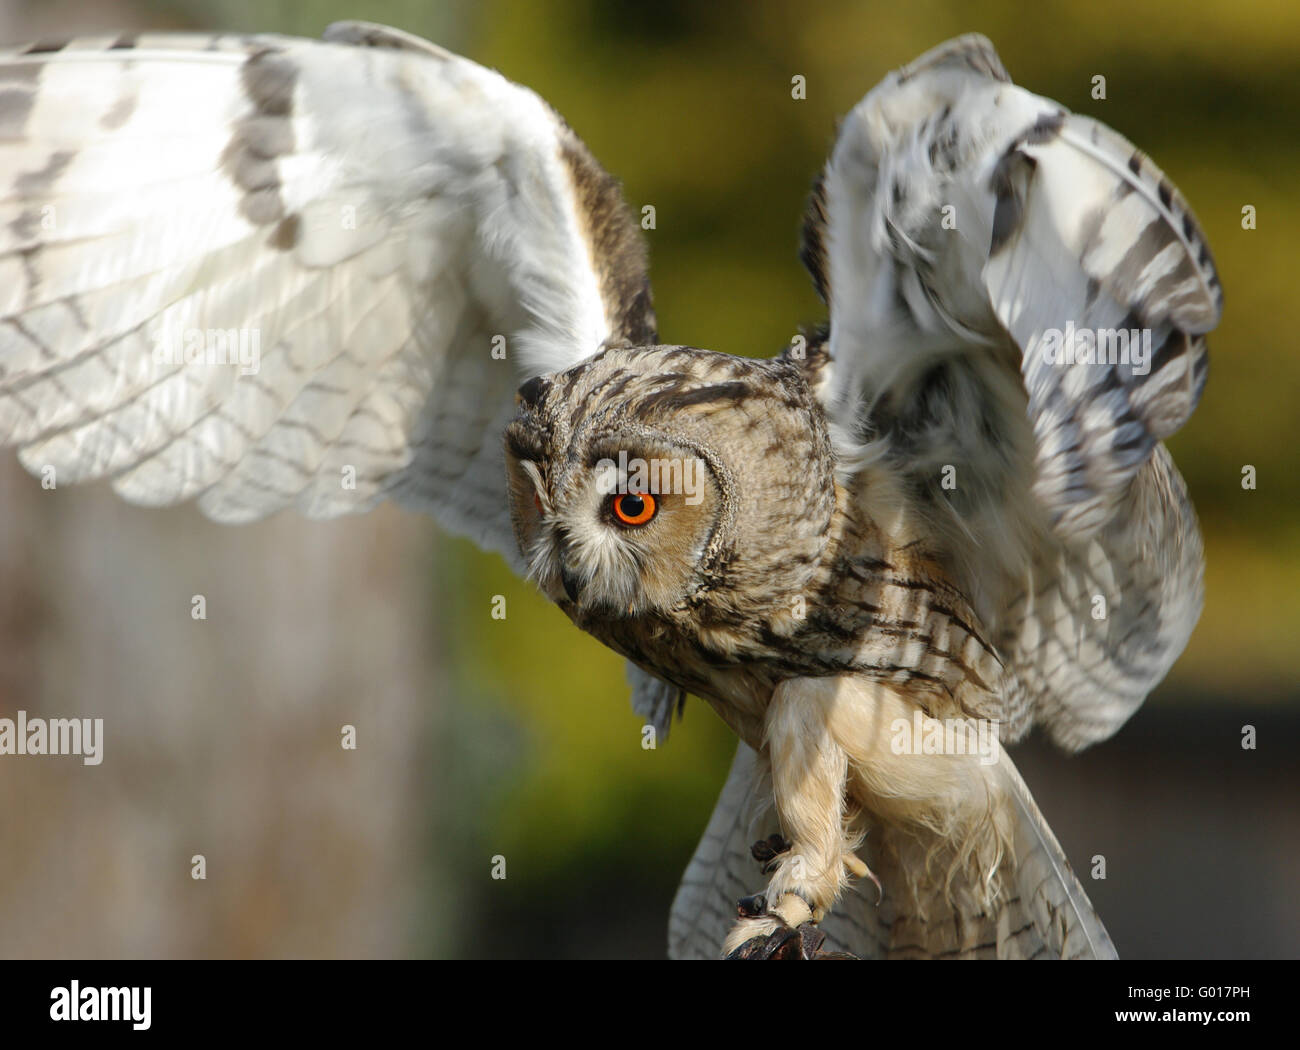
(633, 508)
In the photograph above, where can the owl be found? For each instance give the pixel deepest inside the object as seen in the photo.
(261, 272)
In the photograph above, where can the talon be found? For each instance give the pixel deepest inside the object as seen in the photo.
(858, 868)
(751, 907)
(784, 942)
(880, 890)
(767, 850)
(770, 946)
(776, 939)
(803, 942)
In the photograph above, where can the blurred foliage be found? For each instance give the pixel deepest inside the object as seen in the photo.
(690, 104)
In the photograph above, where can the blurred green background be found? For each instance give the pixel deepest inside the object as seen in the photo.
(538, 756)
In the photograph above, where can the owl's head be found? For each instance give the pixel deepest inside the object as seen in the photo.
(664, 479)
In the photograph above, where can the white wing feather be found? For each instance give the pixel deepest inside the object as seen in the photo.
(959, 220)
(372, 221)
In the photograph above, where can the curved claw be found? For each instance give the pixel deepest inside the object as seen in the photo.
(776, 937)
(857, 867)
(786, 942)
(765, 851)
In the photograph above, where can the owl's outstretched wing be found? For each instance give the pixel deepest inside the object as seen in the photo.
(970, 240)
(264, 272)
(1046, 915)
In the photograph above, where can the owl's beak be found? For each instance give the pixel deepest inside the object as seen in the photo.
(572, 584)
(571, 580)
